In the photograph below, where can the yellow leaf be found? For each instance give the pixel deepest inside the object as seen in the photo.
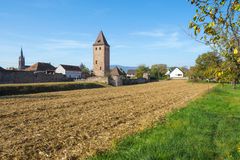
(237, 7)
(219, 74)
(235, 51)
(198, 30)
(238, 60)
(212, 24)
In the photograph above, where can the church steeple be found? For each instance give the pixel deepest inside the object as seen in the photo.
(21, 61)
(22, 52)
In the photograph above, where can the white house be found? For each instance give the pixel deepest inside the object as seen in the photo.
(176, 73)
(69, 71)
(131, 73)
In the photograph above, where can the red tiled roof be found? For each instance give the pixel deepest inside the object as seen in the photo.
(40, 66)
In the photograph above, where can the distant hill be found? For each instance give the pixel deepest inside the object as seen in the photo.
(125, 68)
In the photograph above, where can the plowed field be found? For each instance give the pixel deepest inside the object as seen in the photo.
(76, 124)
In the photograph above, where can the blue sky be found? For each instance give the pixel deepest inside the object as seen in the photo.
(63, 31)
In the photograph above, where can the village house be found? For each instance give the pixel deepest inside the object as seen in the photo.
(117, 76)
(41, 67)
(37, 73)
(73, 72)
(175, 73)
(131, 73)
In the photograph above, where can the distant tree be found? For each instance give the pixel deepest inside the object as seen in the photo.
(208, 65)
(140, 70)
(216, 23)
(193, 74)
(85, 70)
(226, 73)
(158, 71)
(184, 69)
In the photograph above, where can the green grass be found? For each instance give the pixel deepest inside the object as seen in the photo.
(14, 89)
(208, 128)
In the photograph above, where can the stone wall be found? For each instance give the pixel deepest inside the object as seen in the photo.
(134, 81)
(7, 77)
(116, 80)
(121, 80)
(97, 79)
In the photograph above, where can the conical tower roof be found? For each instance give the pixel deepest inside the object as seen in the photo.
(101, 40)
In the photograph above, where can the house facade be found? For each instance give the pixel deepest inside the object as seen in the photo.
(175, 73)
(131, 73)
(117, 76)
(73, 72)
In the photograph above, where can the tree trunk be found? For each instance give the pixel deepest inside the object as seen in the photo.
(234, 83)
(221, 82)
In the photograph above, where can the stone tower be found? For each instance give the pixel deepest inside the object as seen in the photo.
(101, 56)
(21, 61)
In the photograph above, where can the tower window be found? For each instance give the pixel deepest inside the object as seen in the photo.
(96, 62)
(100, 68)
(100, 48)
(96, 48)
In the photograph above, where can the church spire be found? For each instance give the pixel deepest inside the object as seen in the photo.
(21, 61)
(21, 52)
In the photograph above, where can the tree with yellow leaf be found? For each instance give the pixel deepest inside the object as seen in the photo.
(216, 23)
(208, 66)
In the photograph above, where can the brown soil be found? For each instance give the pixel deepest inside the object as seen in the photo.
(76, 124)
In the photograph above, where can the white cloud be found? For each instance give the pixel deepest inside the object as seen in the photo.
(72, 34)
(155, 33)
(54, 44)
(171, 40)
(168, 41)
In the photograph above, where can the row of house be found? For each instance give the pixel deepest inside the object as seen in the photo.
(70, 71)
(41, 72)
(74, 72)
(173, 73)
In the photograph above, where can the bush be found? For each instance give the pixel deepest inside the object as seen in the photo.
(48, 87)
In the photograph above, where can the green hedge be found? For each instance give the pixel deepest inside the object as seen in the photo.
(48, 87)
